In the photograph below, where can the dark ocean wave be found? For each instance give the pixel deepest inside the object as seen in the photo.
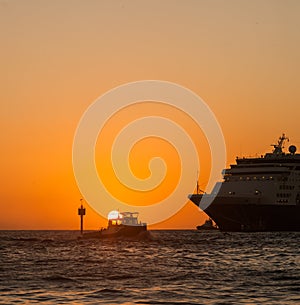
(58, 278)
(175, 267)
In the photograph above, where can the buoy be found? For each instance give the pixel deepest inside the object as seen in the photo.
(81, 213)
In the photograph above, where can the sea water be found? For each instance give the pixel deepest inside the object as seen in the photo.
(176, 267)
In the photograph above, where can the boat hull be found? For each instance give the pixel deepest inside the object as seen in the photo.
(237, 215)
(121, 231)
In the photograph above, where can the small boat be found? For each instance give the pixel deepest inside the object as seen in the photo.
(207, 226)
(120, 225)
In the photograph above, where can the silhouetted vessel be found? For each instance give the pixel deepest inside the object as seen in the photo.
(207, 226)
(258, 194)
(120, 225)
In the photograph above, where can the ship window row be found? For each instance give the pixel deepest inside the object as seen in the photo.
(286, 187)
(251, 166)
(255, 178)
(283, 201)
(275, 165)
(234, 178)
(283, 195)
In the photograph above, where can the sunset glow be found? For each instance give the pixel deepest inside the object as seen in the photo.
(114, 215)
(58, 57)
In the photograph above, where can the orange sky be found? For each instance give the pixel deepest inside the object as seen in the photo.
(57, 57)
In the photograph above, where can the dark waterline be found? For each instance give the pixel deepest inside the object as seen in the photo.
(177, 267)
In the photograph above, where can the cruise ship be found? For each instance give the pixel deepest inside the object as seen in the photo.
(257, 193)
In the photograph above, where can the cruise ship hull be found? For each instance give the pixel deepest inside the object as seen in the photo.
(238, 215)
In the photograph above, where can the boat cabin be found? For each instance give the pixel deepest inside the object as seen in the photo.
(116, 218)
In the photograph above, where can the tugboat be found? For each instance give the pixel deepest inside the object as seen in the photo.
(120, 225)
(257, 193)
(207, 226)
